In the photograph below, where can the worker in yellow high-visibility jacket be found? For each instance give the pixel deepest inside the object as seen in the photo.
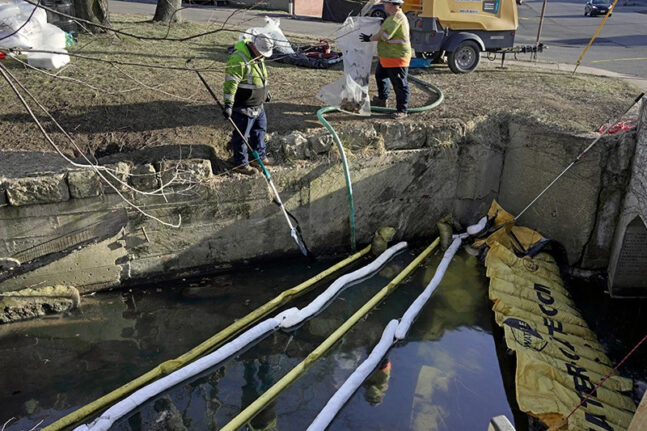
(245, 90)
(394, 52)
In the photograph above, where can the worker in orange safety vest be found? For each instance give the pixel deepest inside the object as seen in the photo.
(394, 52)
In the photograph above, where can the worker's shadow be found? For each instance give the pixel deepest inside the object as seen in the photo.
(130, 117)
(158, 115)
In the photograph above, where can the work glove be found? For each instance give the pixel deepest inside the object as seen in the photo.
(268, 97)
(227, 110)
(365, 37)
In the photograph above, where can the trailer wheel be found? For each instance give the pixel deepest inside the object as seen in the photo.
(378, 13)
(465, 57)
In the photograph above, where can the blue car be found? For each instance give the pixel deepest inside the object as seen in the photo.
(375, 10)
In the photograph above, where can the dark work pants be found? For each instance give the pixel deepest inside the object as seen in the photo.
(398, 77)
(254, 129)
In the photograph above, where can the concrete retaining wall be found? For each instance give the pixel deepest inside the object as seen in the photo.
(404, 175)
(628, 258)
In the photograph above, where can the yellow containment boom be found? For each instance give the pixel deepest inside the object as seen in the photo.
(261, 402)
(213, 342)
(494, 15)
(559, 360)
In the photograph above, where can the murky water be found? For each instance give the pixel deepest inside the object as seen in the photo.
(446, 376)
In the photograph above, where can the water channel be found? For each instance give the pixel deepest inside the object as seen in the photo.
(446, 376)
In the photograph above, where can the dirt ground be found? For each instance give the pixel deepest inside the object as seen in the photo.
(108, 107)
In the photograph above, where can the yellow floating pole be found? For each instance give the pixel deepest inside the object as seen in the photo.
(262, 401)
(579, 60)
(218, 339)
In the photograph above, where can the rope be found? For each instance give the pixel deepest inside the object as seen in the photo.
(610, 124)
(565, 420)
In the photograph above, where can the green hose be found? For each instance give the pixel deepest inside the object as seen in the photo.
(344, 161)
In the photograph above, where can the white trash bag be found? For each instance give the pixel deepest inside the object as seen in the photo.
(350, 93)
(52, 39)
(15, 14)
(272, 30)
(32, 32)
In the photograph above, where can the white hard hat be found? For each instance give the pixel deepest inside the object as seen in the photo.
(263, 44)
(393, 1)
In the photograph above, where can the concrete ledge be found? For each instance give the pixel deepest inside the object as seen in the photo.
(190, 171)
(84, 184)
(37, 190)
(144, 177)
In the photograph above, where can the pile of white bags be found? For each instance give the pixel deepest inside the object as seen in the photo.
(35, 33)
(272, 30)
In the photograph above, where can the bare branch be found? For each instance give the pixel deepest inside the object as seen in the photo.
(6, 75)
(103, 60)
(191, 98)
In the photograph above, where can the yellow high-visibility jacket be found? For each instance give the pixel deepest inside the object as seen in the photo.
(245, 78)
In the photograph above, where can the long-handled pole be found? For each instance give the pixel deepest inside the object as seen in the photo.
(541, 23)
(610, 123)
(293, 231)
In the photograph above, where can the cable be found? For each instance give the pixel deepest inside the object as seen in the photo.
(610, 123)
(565, 420)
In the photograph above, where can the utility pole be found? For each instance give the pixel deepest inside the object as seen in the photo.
(541, 22)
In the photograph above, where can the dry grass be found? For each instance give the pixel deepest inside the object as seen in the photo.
(149, 107)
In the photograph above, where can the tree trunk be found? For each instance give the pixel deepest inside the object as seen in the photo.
(95, 11)
(167, 11)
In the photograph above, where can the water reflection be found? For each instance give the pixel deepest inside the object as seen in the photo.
(445, 375)
(377, 383)
(258, 379)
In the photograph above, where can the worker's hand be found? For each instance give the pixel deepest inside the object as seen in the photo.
(268, 97)
(227, 110)
(365, 37)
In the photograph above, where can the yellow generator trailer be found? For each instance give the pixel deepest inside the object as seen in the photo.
(460, 29)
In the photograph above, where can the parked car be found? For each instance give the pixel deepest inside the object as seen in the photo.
(597, 7)
(373, 8)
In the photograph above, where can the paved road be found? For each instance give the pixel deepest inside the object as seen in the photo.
(566, 30)
(242, 17)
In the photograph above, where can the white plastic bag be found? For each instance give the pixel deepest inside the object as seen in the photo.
(32, 32)
(272, 30)
(14, 17)
(52, 38)
(350, 93)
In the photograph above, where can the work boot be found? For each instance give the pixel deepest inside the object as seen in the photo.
(399, 115)
(245, 170)
(267, 162)
(382, 103)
